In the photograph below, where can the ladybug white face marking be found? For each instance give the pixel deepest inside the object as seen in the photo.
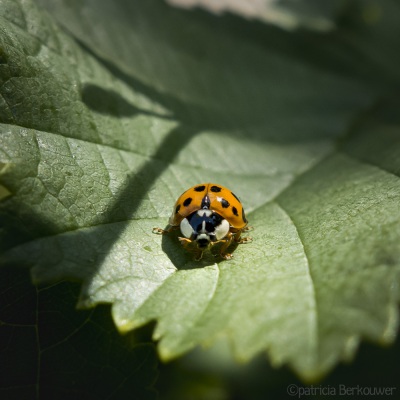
(222, 229)
(204, 213)
(186, 228)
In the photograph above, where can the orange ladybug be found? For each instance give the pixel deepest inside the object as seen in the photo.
(208, 214)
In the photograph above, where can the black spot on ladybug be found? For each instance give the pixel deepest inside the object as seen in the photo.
(199, 188)
(187, 201)
(243, 216)
(177, 208)
(215, 189)
(234, 195)
(225, 203)
(235, 211)
(205, 203)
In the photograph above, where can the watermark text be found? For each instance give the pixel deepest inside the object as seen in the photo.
(340, 390)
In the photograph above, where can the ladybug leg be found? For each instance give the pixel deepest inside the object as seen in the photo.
(245, 240)
(240, 240)
(188, 245)
(226, 242)
(160, 231)
(236, 236)
(199, 255)
(227, 256)
(185, 241)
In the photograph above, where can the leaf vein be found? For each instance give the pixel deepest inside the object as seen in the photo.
(371, 164)
(314, 340)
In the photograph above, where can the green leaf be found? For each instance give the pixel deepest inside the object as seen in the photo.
(106, 123)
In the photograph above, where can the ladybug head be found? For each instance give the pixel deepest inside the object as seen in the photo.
(203, 227)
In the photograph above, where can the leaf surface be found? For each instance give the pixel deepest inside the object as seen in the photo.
(106, 124)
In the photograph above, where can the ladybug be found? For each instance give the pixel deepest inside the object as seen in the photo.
(208, 214)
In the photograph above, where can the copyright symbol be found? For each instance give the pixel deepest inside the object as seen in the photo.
(292, 390)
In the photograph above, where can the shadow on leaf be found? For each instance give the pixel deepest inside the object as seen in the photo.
(109, 102)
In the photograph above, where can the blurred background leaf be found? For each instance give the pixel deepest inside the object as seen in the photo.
(49, 350)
